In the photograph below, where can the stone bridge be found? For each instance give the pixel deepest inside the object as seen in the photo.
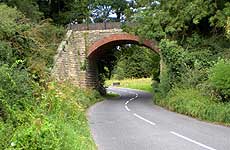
(76, 55)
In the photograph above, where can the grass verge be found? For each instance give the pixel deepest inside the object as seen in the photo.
(193, 102)
(140, 84)
(111, 95)
(56, 121)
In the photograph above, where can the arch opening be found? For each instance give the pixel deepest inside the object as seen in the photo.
(101, 54)
(119, 39)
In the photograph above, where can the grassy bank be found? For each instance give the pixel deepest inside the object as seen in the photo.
(111, 95)
(140, 84)
(36, 113)
(195, 103)
(191, 102)
(57, 121)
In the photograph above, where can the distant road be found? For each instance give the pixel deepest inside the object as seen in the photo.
(133, 122)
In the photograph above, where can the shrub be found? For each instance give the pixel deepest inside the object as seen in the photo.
(163, 87)
(11, 21)
(174, 56)
(56, 121)
(16, 91)
(6, 54)
(219, 79)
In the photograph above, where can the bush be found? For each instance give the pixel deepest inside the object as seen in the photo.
(56, 121)
(36, 114)
(21, 39)
(16, 92)
(162, 88)
(174, 57)
(6, 54)
(12, 21)
(219, 79)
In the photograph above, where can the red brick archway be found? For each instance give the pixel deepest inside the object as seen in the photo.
(117, 39)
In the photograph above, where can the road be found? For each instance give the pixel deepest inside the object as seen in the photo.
(133, 122)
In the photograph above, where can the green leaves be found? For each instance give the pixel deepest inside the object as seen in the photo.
(219, 79)
(174, 56)
(102, 9)
(7, 55)
(221, 16)
(172, 19)
(28, 7)
(11, 21)
(35, 44)
(137, 62)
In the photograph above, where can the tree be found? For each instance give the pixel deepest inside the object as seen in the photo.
(65, 11)
(28, 7)
(192, 34)
(102, 9)
(136, 62)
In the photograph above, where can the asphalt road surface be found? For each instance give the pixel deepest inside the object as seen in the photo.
(133, 122)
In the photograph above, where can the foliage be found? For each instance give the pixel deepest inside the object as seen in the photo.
(144, 84)
(34, 44)
(174, 57)
(193, 102)
(6, 53)
(221, 18)
(70, 11)
(28, 7)
(228, 27)
(43, 40)
(192, 34)
(56, 121)
(12, 21)
(61, 11)
(110, 95)
(136, 62)
(16, 92)
(164, 86)
(102, 9)
(219, 79)
(35, 113)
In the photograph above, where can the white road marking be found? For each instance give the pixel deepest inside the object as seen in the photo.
(127, 108)
(136, 115)
(126, 103)
(152, 123)
(172, 132)
(131, 99)
(193, 141)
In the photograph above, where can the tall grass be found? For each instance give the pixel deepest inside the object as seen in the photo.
(57, 121)
(140, 84)
(194, 103)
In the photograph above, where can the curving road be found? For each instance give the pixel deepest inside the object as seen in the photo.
(133, 122)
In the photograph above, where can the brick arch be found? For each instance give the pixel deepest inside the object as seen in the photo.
(117, 39)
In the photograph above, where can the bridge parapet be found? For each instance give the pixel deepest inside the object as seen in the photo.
(95, 26)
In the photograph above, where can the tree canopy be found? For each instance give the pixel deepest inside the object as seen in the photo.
(192, 35)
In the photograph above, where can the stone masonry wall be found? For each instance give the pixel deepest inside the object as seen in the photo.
(71, 63)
